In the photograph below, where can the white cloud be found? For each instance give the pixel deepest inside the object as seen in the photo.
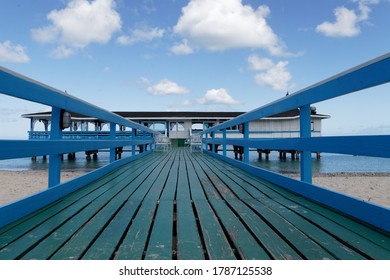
(219, 25)
(218, 97)
(182, 48)
(62, 52)
(345, 25)
(165, 87)
(274, 75)
(79, 24)
(141, 35)
(347, 21)
(259, 63)
(13, 53)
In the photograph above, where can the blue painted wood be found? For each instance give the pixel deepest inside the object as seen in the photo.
(360, 209)
(246, 137)
(224, 145)
(112, 137)
(305, 128)
(16, 210)
(54, 158)
(10, 149)
(374, 146)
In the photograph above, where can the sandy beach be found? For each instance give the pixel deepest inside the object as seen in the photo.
(373, 187)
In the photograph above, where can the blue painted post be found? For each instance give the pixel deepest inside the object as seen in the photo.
(112, 138)
(246, 137)
(55, 159)
(205, 144)
(133, 135)
(305, 132)
(213, 145)
(224, 144)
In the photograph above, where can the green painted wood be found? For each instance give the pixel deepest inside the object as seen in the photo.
(372, 242)
(331, 222)
(194, 204)
(189, 246)
(169, 191)
(22, 226)
(87, 222)
(216, 243)
(160, 245)
(183, 188)
(273, 243)
(104, 247)
(338, 231)
(134, 243)
(283, 227)
(246, 245)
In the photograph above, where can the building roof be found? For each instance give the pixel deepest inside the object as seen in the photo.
(156, 115)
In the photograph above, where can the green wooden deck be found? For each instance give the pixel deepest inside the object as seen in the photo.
(182, 205)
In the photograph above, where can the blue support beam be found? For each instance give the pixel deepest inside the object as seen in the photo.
(246, 137)
(112, 137)
(305, 128)
(224, 152)
(55, 159)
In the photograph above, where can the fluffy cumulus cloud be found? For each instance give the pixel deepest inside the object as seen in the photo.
(144, 34)
(165, 87)
(219, 25)
(182, 48)
(347, 21)
(79, 24)
(218, 97)
(274, 75)
(10, 52)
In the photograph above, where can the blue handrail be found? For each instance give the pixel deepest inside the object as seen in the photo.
(16, 85)
(369, 74)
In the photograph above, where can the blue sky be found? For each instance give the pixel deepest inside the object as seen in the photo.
(198, 55)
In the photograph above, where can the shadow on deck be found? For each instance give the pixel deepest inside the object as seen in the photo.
(182, 205)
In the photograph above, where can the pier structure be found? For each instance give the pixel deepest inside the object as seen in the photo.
(178, 128)
(180, 204)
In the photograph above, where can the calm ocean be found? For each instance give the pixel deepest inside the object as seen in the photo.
(329, 163)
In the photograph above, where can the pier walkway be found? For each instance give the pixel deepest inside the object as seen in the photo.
(183, 205)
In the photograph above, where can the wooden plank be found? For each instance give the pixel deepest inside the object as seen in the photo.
(183, 188)
(189, 246)
(342, 228)
(171, 182)
(216, 243)
(134, 243)
(103, 248)
(160, 245)
(284, 228)
(71, 239)
(246, 245)
(274, 244)
(22, 226)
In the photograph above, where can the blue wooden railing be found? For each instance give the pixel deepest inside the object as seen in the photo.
(370, 74)
(21, 87)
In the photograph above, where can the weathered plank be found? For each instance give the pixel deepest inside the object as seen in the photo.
(160, 245)
(189, 246)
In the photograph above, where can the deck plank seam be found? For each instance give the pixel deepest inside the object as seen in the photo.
(341, 240)
(278, 232)
(345, 241)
